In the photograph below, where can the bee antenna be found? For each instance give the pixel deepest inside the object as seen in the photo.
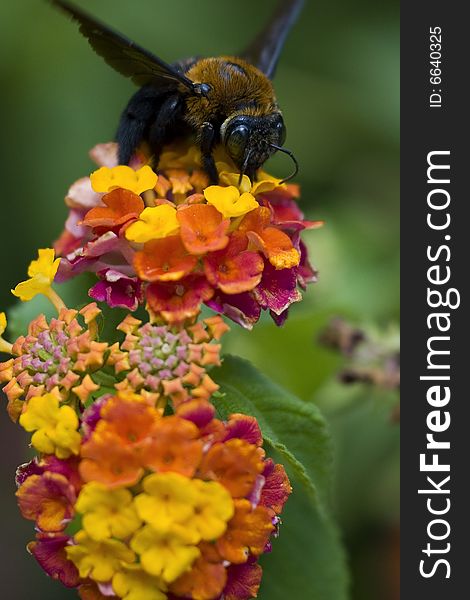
(294, 160)
(244, 166)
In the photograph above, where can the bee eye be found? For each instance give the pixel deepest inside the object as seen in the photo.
(281, 131)
(237, 140)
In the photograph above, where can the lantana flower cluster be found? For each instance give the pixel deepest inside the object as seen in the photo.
(172, 241)
(132, 503)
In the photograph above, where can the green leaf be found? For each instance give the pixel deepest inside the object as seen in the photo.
(367, 444)
(308, 560)
(293, 428)
(291, 368)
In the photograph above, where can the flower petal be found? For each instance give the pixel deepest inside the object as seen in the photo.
(117, 290)
(235, 464)
(229, 201)
(241, 308)
(245, 428)
(235, 269)
(120, 207)
(181, 300)
(277, 487)
(106, 179)
(105, 155)
(247, 533)
(203, 228)
(154, 222)
(278, 289)
(51, 556)
(81, 195)
(165, 259)
(47, 499)
(243, 581)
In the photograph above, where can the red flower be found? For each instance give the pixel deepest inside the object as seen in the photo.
(243, 581)
(235, 269)
(181, 300)
(276, 488)
(49, 551)
(245, 428)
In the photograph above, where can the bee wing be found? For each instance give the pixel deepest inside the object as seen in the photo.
(266, 48)
(124, 55)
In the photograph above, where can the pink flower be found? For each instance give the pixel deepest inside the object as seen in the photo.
(49, 551)
(117, 290)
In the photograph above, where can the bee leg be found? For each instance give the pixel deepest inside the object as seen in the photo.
(134, 122)
(206, 143)
(166, 116)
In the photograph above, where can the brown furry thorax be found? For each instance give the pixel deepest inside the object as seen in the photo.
(236, 88)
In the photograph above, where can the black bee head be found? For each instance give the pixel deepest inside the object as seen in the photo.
(250, 140)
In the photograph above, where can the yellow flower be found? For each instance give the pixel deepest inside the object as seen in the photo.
(4, 345)
(41, 272)
(169, 499)
(213, 509)
(233, 179)
(107, 512)
(98, 560)
(132, 583)
(55, 427)
(229, 201)
(106, 179)
(267, 183)
(3, 323)
(45, 266)
(154, 222)
(165, 554)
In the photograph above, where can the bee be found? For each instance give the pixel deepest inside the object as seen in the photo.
(228, 100)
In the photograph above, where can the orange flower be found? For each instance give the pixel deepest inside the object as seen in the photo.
(115, 452)
(180, 181)
(275, 244)
(164, 259)
(199, 180)
(247, 532)
(206, 579)
(235, 464)
(174, 447)
(121, 206)
(107, 461)
(203, 229)
(180, 300)
(235, 269)
(129, 417)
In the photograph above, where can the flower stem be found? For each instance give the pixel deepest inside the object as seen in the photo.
(5, 346)
(56, 300)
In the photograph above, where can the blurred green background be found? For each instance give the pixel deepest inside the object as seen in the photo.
(338, 84)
